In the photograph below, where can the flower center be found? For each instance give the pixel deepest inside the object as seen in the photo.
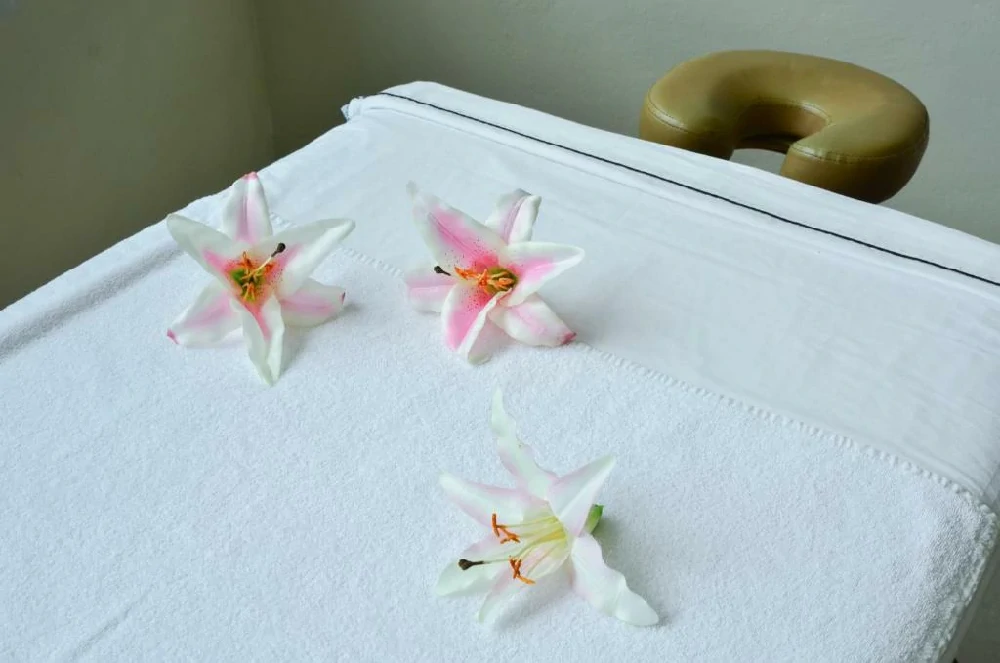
(493, 280)
(253, 279)
(531, 543)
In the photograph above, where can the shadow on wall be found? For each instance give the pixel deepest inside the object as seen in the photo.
(116, 114)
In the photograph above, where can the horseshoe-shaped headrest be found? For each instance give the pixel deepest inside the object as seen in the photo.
(842, 127)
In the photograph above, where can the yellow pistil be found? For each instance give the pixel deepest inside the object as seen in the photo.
(493, 280)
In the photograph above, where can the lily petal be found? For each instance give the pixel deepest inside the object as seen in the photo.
(544, 560)
(454, 238)
(536, 263)
(504, 589)
(208, 320)
(536, 566)
(454, 580)
(489, 339)
(210, 248)
(480, 501)
(514, 216)
(571, 496)
(532, 322)
(312, 304)
(516, 456)
(427, 290)
(605, 588)
(246, 217)
(264, 332)
(305, 248)
(464, 314)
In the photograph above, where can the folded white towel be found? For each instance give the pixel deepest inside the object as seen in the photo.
(162, 504)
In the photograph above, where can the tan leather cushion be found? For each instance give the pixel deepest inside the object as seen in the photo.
(845, 128)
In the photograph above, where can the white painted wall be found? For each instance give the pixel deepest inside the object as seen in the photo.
(592, 61)
(113, 114)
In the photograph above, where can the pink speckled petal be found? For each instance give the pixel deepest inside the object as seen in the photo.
(572, 496)
(264, 333)
(535, 263)
(605, 588)
(480, 501)
(426, 290)
(210, 248)
(464, 315)
(532, 322)
(245, 217)
(208, 320)
(312, 304)
(513, 218)
(454, 239)
(305, 247)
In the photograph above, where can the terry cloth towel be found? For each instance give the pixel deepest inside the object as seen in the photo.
(160, 503)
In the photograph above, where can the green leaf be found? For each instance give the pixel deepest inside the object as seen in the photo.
(593, 518)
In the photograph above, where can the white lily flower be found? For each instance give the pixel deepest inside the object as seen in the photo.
(261, 280)
(541, 526)
(487, 274)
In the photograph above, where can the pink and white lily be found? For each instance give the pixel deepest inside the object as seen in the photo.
(535, 529)
(487, 274)
(261, 280)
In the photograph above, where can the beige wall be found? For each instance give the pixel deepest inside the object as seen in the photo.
(310, 66)
(113, 114)
(592, 60)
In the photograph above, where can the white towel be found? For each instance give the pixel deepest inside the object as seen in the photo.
(160, 503)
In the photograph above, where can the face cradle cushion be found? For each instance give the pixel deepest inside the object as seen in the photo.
(842, 127)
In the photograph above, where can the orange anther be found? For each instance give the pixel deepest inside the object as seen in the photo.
(515, 565)
(498, 530)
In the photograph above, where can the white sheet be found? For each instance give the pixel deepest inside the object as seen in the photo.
(896, 354)
(162, 504)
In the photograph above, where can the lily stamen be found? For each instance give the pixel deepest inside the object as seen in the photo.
(515, 565)
(493, 280)
(466, 564)
(280, 248)
(498, 529)
(252, 280)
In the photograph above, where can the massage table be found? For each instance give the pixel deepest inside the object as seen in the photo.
(801, 391)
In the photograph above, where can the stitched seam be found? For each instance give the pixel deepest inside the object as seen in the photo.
(838, 158)
(674, 123)
(913, 147)
(689, 187)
